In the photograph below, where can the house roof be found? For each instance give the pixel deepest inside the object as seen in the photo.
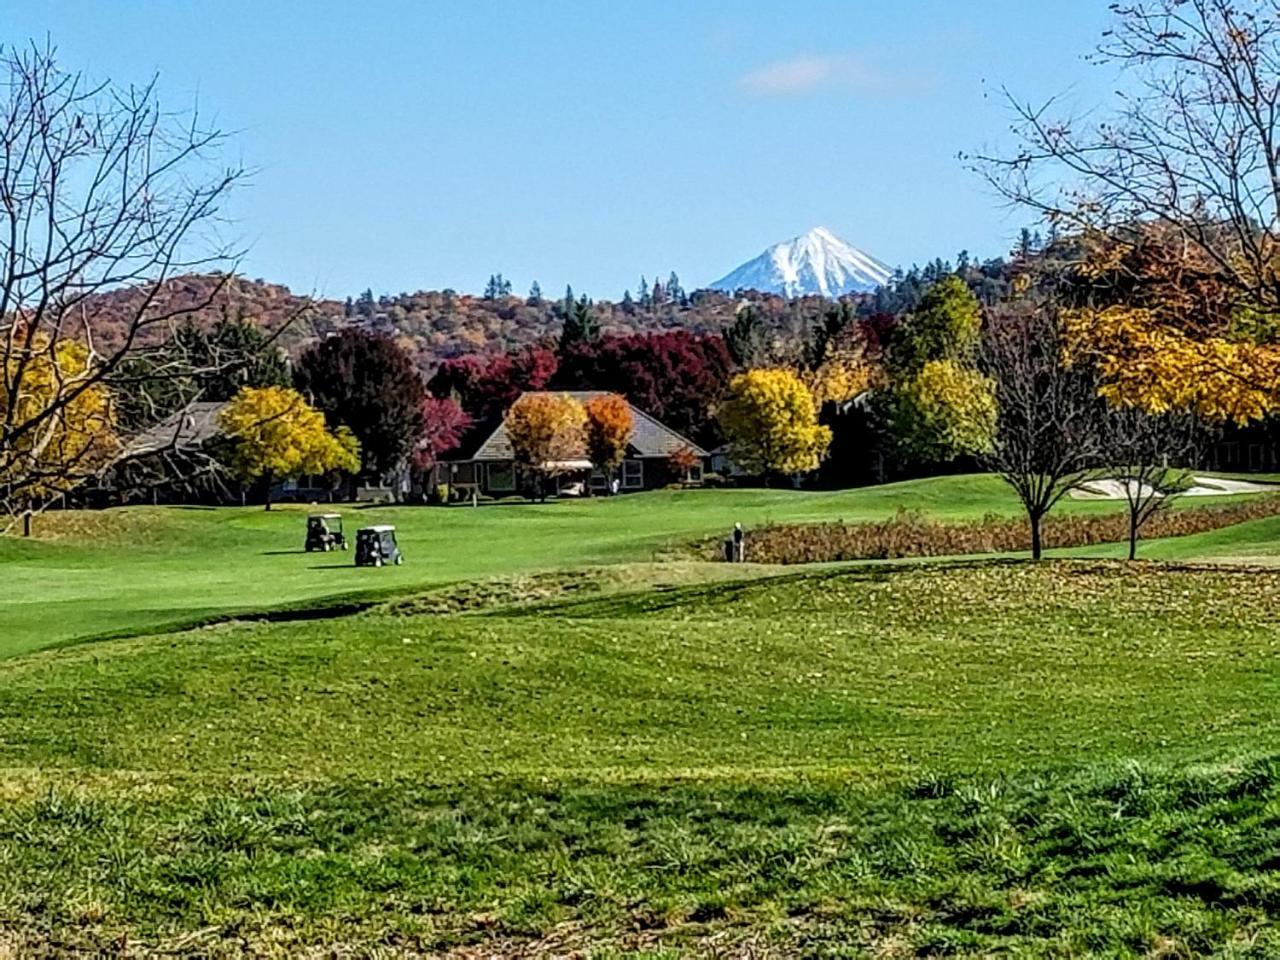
(187, 429)
(649, 436)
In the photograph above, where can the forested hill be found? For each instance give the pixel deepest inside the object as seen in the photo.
(438, 324)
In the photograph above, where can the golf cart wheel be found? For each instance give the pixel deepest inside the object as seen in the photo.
(326, 548)
(344, 543)
(399, 560)
(377, 561)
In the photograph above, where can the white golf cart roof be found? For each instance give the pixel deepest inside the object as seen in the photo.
(381, 528)
(324, 516)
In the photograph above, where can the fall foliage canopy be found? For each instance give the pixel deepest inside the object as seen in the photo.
(608, 429)
(75, 421)
(546, 430)
(771, 421)
(944, 411)
(278, 435)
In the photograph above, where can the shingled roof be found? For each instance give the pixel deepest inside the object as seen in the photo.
(188, 429)
(649, 437)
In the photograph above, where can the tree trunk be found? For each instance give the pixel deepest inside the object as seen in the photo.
(267, 477)
(1036, 548)
(1133, 536)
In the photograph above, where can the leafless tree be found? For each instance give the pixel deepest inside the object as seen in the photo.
(1047, 433)
(1150, 456)
(101, 189)
(1191, 150)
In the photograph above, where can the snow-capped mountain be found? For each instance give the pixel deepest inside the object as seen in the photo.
(817, 263)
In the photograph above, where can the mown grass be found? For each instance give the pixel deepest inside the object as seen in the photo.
(150, 569)
(974, 758)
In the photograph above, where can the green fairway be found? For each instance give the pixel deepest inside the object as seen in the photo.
(992, 757)
(147, 568)
(124, 571)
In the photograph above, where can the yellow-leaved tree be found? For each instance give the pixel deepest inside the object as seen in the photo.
(72, 432)
(945, 410)
(1145, 362)
(771, 421)
(277, 435)
(548, 432)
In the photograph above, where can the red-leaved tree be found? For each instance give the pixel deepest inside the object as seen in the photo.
(487, 385)
(677, 376)
(444, 424)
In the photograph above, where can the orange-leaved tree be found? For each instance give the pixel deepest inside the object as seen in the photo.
(547, 431)
(277, 435)
(609, 429)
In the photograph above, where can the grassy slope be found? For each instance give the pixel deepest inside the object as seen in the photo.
(962, 758)
(146, 569)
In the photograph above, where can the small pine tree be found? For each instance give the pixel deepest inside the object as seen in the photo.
(646, 298)
(628, 305)
(535, 294)
(566, 306)
(580, 324)
(659, 295)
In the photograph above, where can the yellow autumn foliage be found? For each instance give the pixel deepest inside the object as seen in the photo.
(72, 431)
(1159, 368)
(278, 435)
(771, 420)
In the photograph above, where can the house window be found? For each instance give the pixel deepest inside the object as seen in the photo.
(598, 480)
(502, 476)
(694, 474)
(632, 474)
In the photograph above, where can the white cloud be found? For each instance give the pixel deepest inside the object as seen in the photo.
(810, 72)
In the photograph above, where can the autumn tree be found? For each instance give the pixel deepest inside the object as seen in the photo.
(771, 421)
(677, 376)
(100, 189)
(944, 411)
(276, 435)
(369, 384)
(608, 431)
(547, 431)
(683, 461)
(444, 425)
(486, 386)
(71, 445)
(1173, 197)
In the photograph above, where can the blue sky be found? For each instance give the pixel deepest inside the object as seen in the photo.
(420, 145)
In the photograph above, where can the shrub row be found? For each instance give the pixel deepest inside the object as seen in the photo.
(909, 534)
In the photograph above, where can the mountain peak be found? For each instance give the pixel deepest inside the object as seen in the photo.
(816, 263)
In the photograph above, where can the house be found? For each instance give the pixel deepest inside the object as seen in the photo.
(181, 459)
(487, 464)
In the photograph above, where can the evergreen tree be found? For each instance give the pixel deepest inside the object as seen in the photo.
(365, 303)
(646, 299)
(659, 295)
(535, 294)
(580, 325)
(628, 305)
(491, 288)
(675, 292)
(566, 306)
(745, 339)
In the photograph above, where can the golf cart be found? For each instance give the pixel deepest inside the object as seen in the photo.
(376, 546)
(324, 532)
